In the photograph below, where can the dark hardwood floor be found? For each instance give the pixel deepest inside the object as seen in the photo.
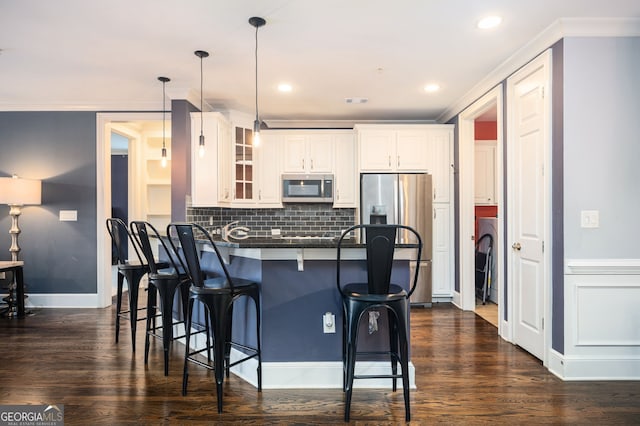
(465, 374)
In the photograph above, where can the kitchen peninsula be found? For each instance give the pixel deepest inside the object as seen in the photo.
(297, 278)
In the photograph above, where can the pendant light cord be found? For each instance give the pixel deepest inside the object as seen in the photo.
(201, 99)
(164, 110)
(256, 58)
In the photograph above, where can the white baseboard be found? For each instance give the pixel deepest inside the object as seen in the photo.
(586, 368)
(62, 300)
(304, 375)
(314, 375)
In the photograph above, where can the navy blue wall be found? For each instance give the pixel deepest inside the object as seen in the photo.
(180, 157)
(60, 149)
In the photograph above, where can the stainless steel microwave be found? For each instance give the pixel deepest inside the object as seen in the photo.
(307, 188)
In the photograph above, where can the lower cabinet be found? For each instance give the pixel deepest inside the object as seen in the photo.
(442, 259)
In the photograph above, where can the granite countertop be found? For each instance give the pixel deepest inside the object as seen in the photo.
(266, 242)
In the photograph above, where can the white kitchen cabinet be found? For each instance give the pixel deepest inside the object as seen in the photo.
(345, 171)
(376, 147)
(268, 171)
(385, 148)
(442, 261)
(412, 150)
(308, 152)
(210, 180)
(439, 161)
(243, 164)
(485, 172)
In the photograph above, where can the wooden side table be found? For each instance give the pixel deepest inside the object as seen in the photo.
(18, 280)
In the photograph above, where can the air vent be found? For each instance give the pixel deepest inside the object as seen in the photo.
(356, 100)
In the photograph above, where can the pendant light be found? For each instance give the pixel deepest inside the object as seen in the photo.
(201, 54)
(257, 22)
(163, 161)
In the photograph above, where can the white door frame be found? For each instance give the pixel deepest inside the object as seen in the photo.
(466, 175)
(103, 196)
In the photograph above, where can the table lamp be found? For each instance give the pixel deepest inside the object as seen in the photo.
(17, 192)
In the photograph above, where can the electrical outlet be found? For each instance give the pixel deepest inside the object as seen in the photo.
(329, 323)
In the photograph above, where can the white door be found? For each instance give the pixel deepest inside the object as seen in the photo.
(529, 110)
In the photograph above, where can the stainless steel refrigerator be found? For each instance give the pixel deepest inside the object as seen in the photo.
(405, 199)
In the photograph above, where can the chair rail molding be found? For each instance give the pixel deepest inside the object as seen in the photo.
(602, 267)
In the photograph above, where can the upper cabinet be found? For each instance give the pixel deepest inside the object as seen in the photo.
(210, 184)
(243, 152)
(307, 152)
(345, 172)
(439, 161)
(389, 149)
(267, 180)
(485, 172)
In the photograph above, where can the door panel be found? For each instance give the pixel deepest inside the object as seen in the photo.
(529, 128)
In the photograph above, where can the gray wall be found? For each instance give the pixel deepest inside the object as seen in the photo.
(557, 197)
(602, 146)
(60, 149)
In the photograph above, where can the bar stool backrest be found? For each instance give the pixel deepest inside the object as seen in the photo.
(120, 237)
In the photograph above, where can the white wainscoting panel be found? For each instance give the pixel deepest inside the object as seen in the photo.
(601, 321)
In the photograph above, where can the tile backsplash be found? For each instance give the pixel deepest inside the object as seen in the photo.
(293, 219)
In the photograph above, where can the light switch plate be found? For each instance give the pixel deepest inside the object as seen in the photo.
(68, 215)
(590, 219)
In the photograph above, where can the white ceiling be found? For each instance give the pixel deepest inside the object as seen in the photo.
(107, 55)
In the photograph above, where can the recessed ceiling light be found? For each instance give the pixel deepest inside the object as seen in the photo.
(284, 87)
(432, 87)
(489, 22)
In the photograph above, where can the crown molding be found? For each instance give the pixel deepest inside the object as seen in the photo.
(561, 28)
(334, 124)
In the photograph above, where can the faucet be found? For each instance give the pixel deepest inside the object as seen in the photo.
(237, 233)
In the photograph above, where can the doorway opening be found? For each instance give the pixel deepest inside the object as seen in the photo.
(481, 204)
(486, 233)
(132, 143)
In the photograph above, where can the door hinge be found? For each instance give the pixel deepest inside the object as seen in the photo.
(542, 92)
(543, 323)
(543, 246)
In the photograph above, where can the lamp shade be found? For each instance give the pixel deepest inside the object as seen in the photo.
(20, 192)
